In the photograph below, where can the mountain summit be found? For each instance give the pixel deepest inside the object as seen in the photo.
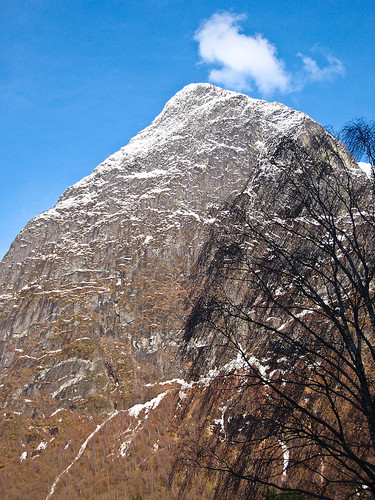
(96, 292)
(91, 266)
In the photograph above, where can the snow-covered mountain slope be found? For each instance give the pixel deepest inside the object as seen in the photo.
(202, 134)
(145, 208)
(95, 292)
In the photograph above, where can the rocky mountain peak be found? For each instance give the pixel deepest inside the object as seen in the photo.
(95, 292)
(201, 129)
(149, 206)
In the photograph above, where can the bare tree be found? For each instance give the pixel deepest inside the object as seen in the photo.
(359, 138)
(288, 288)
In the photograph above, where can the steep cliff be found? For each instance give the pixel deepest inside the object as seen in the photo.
(111, 260)
(96, 291)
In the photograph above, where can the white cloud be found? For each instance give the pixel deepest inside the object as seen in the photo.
(244, 61)
(312, 72)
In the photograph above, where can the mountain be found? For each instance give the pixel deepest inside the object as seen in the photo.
(95, 387)
(111, 260)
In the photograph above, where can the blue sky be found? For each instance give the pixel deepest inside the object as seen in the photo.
(79, 78)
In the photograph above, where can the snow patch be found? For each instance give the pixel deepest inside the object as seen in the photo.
(367, 168)
(286, 456)
(124, 447)
(57, 411)
(135, 410)
(41, 446)
(221, 421)
(79, 454)
(146, 175)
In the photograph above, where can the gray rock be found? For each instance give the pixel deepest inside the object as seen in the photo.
(95, 291)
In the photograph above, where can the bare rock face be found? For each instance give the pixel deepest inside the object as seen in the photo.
(111, 261)
(95, 294)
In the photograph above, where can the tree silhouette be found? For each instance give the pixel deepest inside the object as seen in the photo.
(288, 288)
(359, 137)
